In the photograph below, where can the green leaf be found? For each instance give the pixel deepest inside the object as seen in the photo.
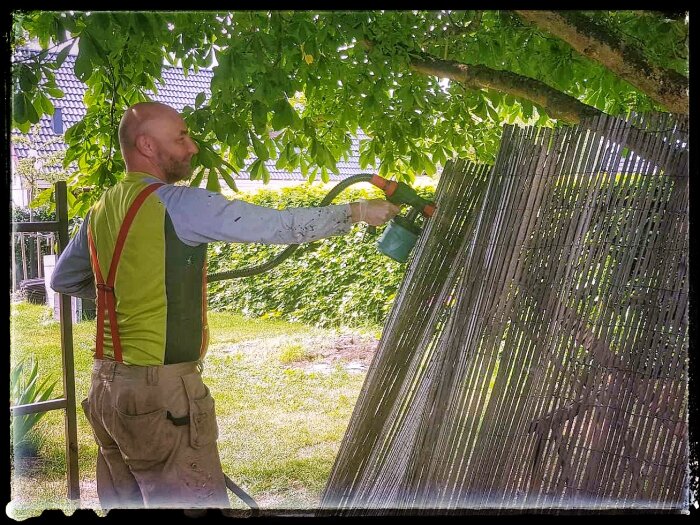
(428, 166)
(439, 155)
(259, 116)
(198, 176)
(62, 55)
(291, 154)
(282, 160)
(24, 127)
(383, 169)
(19, 107)
(199, 100)
(213, 181)
(492, 114)
(27, 79)
(283, 115)
(143, 23)
(43, 198)
(260, 149)
(366, 156)
(228, 179)
(83, 67)
(46, 105)
(328, 159)
(255, 170)
(208, 158)
(55, 92)
(32, 112)
(265, 173)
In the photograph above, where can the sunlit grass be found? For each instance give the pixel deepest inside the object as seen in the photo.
(279, 427)
(295, 352)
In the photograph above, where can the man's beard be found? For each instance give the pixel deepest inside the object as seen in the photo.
(176, 170)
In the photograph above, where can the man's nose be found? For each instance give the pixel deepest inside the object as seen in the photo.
(194, 147)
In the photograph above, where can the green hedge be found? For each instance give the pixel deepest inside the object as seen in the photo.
(344, 281)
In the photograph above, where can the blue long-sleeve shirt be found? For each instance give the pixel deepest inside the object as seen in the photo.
(201, 216)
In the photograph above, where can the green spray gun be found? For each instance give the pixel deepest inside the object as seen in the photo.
(397, 241)
(401, 234)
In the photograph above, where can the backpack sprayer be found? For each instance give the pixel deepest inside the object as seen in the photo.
(397, 241)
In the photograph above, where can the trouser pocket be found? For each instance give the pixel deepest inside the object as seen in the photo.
(144, 439)
(203, 427)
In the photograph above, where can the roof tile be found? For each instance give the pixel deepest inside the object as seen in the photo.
(176, 91)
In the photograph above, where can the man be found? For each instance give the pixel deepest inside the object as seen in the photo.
(142, 251)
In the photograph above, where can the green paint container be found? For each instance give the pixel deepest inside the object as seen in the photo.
(398, 239)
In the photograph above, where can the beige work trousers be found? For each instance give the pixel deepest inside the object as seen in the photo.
(156, 431)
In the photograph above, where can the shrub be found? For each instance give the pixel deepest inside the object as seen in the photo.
(340, 281)
(26, 388)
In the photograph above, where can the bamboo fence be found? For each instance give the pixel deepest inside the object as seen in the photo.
(536, 355)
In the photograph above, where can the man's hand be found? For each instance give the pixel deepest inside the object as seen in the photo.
(374, 212)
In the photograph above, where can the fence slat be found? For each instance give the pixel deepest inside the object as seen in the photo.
(33, 408)
(30, 227)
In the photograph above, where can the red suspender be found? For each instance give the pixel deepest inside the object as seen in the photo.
(105, 290)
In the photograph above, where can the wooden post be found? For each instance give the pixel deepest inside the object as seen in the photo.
(67, 351)
(14, 263)
(24, 256)
(39, 272)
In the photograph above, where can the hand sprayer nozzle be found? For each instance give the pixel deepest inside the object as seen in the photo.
(402, 193)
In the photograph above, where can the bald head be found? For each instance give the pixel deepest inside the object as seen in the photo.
(154, 139)
(142, 118)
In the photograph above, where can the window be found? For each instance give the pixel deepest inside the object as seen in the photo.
(57, 121)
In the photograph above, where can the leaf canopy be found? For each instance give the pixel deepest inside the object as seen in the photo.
(315, 77)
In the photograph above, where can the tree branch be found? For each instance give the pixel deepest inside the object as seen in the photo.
(665, 86)
(557, 104)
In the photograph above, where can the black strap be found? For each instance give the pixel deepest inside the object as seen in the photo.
(178, 421)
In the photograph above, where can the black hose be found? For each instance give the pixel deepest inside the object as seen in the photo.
(254, 270)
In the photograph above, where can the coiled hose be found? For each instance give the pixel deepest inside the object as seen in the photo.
(289, 250)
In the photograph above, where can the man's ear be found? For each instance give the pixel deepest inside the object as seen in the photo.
(144, 145)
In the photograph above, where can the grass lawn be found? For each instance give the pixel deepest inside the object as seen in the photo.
(282, 405)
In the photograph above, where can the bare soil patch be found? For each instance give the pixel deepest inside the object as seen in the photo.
(346, 347)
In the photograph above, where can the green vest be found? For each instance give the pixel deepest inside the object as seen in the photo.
(160, 282)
